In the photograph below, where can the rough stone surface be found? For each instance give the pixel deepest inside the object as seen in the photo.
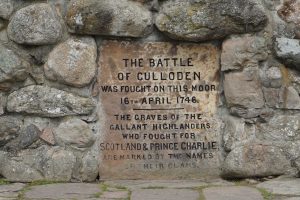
(2, 103)
(281, 128)
(48, 102)
(255, 160)
(284, 98)
(235, 132)
(243, 90)
(109, 17)
(288, 50)
(59, 165)
(290, 12)
(47, 136)
(35, 25)
(29, 136)
(8, 129)
(206, 20)
(43, 162)
(174, 194)
(11, 190)
(232, 193)
(6, 8)
(272, 77)
(17, 171)
(239, 52)
(73, 62)
(12, 66)
(74, 132)
(290, 98)
(282, 186)
(90, 166)
(63, 191)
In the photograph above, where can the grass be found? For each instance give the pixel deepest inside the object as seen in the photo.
(43, 182)
(105, 187)
(4, 181)
(266, 195)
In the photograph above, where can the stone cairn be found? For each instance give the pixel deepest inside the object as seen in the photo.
(49, 127)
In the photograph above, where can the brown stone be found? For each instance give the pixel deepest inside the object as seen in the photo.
(47, 136)
(243, 89)
(158, 117)
(290, 12)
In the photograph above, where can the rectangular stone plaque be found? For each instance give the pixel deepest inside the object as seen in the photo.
(159, 110)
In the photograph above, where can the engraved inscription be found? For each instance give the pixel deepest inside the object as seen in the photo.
(159, 110)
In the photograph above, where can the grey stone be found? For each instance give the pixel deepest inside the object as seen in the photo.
(288, 50)
(17, 171)
(243, 51)
(73, 62)
(43, 162)
(11, 190)
(36, 24)
(3, 101)
(174, 194)
(282, 186)
(289, 98)
(9, 129)
(12, 66)
(294, 76)
(29, 136)
(243, 91)
(232, 193)
(59, 165)
(272, 77)
(63, 191)
(48, 102)
(74, 132)
(6, 8)
(60, 5)
(278, 27)
(207, 20)
(235, 132)
(284, 98)
(255, 160)
(38, 55)
(272, 97)
(280, 128)
(90, 166)
(109, 17)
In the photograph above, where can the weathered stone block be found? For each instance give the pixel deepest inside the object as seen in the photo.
(255, 160)
(208, 20)
(243, 89)
(48, 102)
(36, 24)
(109, 17)
(73, 62)
(288, 50)
(239, 52)
(74, 132)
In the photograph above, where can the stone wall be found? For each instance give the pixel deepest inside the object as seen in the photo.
(49, 52)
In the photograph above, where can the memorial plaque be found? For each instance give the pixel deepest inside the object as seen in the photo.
(158, 107)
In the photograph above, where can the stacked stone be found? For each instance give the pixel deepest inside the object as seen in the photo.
(49, 128)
